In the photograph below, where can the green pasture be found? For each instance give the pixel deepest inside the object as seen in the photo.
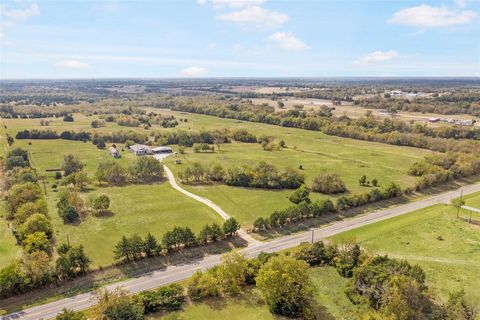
(154, 208)
(447, 248)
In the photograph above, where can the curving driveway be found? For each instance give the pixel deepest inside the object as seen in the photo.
(171, 179)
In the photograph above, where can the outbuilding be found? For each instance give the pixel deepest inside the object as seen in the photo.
(114, 152)
(162, 150)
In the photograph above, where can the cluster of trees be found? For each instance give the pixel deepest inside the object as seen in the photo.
(436, 169)
(143, 170)
(303, 208)
(135, 248)
(264, 175)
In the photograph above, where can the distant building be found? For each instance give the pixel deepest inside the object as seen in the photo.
(114, 152)
(433, 119)
(162, 150)
(140, 149)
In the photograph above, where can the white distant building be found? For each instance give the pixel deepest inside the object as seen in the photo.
(140, 149)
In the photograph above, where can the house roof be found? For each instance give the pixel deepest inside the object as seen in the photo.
(160, 149)
(138, 147)
(112, 149)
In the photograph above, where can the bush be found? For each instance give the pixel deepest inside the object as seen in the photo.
(328, 183)
(168, 298)
(203, 285)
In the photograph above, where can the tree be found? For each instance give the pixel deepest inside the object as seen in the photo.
(71, 261)
(300, 195)
(101, 144)
(28, 209)
(232, 272)
(37, 241)
(122, 249)
(16, 161)
(111, 172)
(20, 194)
(116, 305)
(36, 266)
(150, 245)
(286, 286)
(70, 315)
(375, 182)
(71, 164)
(404, 299)
(68, 118)
(260, 223)
(363, 180)
(136, 246)
(101, 203)
(231, 226)
(347, 258)
(146, 169)
(203, 285)
(216, 232)
(36, 223)
(458, 203)
(69, 214)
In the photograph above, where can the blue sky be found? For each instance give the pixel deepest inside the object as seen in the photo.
(238, 38)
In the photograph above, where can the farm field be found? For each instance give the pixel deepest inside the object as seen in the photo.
(447, 248)
(315, 151)
(329, 296)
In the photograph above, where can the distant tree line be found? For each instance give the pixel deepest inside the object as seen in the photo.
(395, 132)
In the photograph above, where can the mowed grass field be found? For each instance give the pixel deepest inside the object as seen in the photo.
(140, 209)
(315, 151)
(330, 298)
(154, 208)
(447, 248)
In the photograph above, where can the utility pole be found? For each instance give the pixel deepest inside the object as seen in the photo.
(313, 232)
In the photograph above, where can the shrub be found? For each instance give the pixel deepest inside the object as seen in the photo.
(328, 183)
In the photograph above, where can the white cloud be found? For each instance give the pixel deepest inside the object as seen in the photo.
(72, 64)
(427, 17)
(193, 72)
(288, 41)
(376, 57)
(19, 14)
(217, 4)
(257, 16)
(461, 3)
